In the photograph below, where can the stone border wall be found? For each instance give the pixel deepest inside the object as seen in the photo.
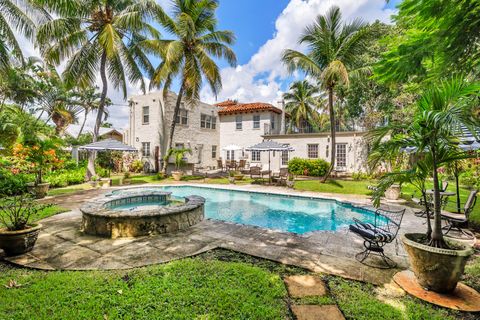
(98, 219)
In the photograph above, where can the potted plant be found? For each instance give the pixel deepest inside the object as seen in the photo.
(238, 175)
(438, 263)
(17, 232)
(94, 181)
(126, 178)
(39, 155)
(290, 181)
(179, 160)
(231, 177)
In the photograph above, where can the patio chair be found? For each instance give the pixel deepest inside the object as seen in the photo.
(459, 221)
(281, 177)
(220, 165)
(256, 173)
(241, 165)
(383, 231)
(231, 165)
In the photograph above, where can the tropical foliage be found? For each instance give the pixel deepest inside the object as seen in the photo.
(189, 56)
(441, 113)
(333, 46)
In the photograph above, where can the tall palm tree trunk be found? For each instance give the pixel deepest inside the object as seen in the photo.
(437, 236)
(83, 124)
(172, 128)
(101, 108)
(332, 134)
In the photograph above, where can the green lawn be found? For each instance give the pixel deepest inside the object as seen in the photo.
(218, 284)
(186, 289)
(45, 213)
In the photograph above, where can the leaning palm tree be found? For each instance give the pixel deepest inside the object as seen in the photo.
(302, 103)
(16, 16)
(442, 112)
(332, 50)
(99, 38)
(189, 56)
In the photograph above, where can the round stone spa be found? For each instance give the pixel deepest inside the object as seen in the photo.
(134, 214)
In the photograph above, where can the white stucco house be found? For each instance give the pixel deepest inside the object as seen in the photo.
(225, 130)
(197, 129)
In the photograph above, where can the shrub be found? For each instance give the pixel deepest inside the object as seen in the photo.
(357, 176)
(470, 179)
(13, 184)
(63, 178)
(136, 166)
(308, 167)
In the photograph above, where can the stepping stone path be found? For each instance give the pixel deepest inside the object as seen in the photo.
(301, 286)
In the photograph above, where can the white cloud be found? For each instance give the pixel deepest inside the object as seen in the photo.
(261, 78)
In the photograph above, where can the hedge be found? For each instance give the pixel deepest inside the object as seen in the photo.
(308, 167)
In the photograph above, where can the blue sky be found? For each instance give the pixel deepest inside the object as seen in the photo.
(264, 28)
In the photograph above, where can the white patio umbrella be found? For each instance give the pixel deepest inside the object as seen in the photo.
(108, 145)
(269, 146)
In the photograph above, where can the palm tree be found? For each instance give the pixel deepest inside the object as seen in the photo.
(302, 103)
(89, 100)
(441, 113)
(15, 16)
(189, 56)
(99, 38)
(332, 52)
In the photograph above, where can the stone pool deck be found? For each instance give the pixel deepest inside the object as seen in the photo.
(61, 246)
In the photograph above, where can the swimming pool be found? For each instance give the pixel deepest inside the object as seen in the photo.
(278, 212)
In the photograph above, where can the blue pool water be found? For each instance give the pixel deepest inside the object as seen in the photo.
(277, 212)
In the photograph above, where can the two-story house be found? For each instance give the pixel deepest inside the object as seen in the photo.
(197, 129)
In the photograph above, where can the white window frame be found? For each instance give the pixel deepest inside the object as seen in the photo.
(256, 123)
(145, 114)
(146, 149)
(272, 121)
(256, 156)
(182, 118)
(208, 122)
(341, 154)
(230, 155)
(214, 152)
(285, 157)
(238, 122)
(311, 150)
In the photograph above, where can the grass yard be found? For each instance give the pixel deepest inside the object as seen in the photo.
(186, 289)
(45, 213)
(218, 284)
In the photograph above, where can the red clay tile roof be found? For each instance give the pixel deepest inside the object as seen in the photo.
(233, 107)
(227, 103)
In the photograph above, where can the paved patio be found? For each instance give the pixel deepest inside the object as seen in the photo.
(61, 246)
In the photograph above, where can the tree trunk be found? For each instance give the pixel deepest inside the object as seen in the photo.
(83, 124)
(427, 210)
(437, 236)
(332, 134)
(101, 109)
(172, 128)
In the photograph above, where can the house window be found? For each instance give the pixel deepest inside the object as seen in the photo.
(238, 121)
(146, 149)
(341, 155)
(312, 151)
(285, 155)
(146, 115)
(272, 121)
(256, 122)
(256, 156)
(230, 155)
(208, 122)
(182, 117)
(214, 152)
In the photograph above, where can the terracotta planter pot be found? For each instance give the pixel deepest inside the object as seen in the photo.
(436, 269)
(177, 175)
(394, 192)
(94, 184)
(39, 191)
(19, 242)
(238, 177)
(105, 183)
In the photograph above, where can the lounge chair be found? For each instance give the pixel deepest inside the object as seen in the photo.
(241, 165)
(459, 221)
(256, 173)
(231, 165)
(383, 231)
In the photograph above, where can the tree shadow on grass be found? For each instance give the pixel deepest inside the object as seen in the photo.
(335, 183)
